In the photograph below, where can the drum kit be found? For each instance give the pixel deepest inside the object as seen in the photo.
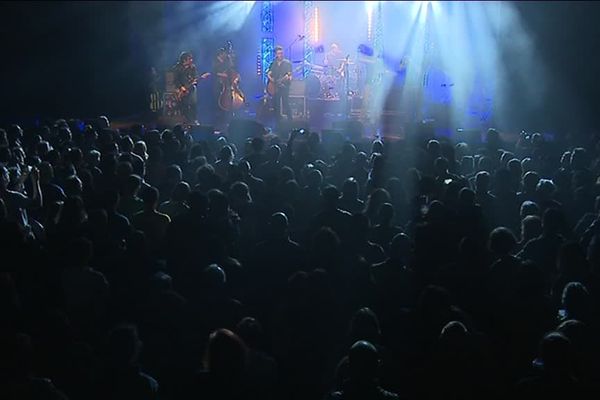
(329, 82)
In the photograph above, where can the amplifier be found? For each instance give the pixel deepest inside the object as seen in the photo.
(298, 106)
(170, 105)
(297, 88)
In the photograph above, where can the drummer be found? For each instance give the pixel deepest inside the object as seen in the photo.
(333, 56)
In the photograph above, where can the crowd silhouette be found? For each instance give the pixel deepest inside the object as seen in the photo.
(141, 264)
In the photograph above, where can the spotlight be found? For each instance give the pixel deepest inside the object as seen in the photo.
(365, 50)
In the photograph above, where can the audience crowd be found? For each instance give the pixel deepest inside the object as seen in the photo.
(142, 264)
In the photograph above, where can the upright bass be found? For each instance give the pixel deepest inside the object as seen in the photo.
(231, 97)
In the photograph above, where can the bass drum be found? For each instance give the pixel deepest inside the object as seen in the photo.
(312, 86)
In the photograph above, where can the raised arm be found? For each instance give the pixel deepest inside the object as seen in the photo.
(36, 195)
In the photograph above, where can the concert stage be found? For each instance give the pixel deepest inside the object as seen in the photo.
(381, 64)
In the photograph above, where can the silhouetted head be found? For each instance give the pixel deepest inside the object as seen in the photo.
(555, 354)
(240, 193)
(579, 159)
(173, 174)
(225, 356)
(386, 213)
(531, 227)
(214, 277)
(279, 224)
(150, 198)
(467, 165)
(434, 148)
(132, 186)
(400, 247)
(515, 168)
(350, 188)
(578, 334)
(273, 153)
(482, 182)
(365, 326)
(376, 199)
(226, 154)
(454, 336)
(576, 301)
(126, 144)
(181, 192)
(363, 362)
(529, 208)
(377, 147)
(441, 165)
(124, 346)
(484, 164)
(314, 179)
(502, 241)
(330, 196)
(545, 189)
(251, 332)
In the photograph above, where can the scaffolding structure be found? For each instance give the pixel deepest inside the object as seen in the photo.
(267, 42)
(309, 21)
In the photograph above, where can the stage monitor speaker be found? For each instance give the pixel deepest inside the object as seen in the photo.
(298, 106)
(242, 129)
(202, 133)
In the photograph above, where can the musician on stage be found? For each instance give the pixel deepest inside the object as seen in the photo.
(280, 73)
(221, 67)
(185, 77)
(333, 56)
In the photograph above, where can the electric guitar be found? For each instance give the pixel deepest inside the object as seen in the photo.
(274, 85)
(183, 91)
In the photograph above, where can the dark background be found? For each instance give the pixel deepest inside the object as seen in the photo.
(86, 58)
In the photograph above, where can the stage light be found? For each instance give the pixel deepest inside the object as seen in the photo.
(371, 6)
(366, 50)
(316, 26)
(369, 23)
(226, 16)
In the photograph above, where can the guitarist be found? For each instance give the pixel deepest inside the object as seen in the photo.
(185, 78)
(222, 65)
(280, 73)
